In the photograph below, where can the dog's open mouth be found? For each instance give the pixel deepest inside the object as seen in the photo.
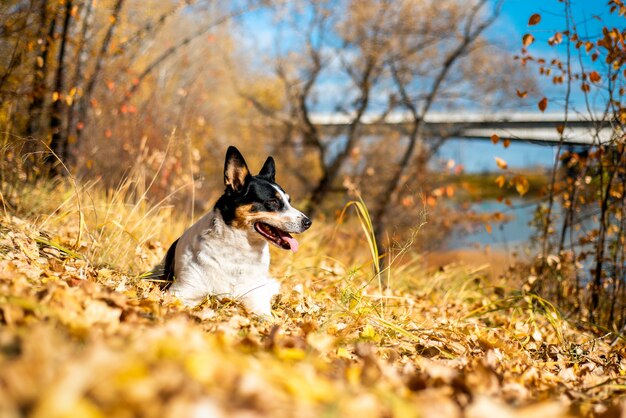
(277, 236)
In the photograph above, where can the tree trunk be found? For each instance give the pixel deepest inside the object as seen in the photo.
(320, 192)
(71, 128)
(58, 142)
(45, 35)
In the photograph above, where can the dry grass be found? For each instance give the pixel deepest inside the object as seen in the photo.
(82, 336)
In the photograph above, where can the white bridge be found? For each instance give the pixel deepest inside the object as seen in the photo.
(528, 127)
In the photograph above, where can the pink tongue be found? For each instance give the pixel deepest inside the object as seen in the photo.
(293, 243)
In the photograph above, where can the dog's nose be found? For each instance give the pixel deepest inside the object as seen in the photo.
(306, 223)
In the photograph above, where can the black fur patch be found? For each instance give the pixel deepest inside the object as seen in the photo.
(258, 192)
(164, 274)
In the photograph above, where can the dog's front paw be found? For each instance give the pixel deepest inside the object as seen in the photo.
(261, 309)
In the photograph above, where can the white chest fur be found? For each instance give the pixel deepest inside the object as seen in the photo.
(213, 258)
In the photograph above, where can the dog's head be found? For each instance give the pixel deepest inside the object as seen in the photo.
(258, 203)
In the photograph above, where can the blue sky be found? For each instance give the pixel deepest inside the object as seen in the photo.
(589, 16)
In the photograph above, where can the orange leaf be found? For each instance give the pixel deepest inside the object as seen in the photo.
(543, 104)
(534, 19)
(521, 94)
(495, 138)
(488, 228)
(594, 77)
(585, 87)
(501, 163)
(527, 40)
(506, 143)
(560, 128)
(500, 180)
(556, 39)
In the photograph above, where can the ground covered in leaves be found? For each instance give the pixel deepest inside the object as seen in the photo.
(81, 340)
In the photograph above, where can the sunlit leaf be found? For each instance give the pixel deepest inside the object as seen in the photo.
(556, 39)
(501, 163)
(500, 181)
(521, 185)
(527, 39)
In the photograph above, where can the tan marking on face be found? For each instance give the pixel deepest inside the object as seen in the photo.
(245, 217)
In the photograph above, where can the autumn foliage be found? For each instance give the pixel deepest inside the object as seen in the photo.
(114, 115)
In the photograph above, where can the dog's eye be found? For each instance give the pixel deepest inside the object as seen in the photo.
(272, 204)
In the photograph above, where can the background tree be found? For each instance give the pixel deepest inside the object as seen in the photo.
(581, 254)
(365, 60)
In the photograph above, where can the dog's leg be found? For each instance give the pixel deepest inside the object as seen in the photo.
(187, 293)
(259, 299)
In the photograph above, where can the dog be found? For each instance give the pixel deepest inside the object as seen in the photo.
(226, 252)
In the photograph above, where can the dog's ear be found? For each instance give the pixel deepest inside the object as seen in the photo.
(268, 171)
(236, 173)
